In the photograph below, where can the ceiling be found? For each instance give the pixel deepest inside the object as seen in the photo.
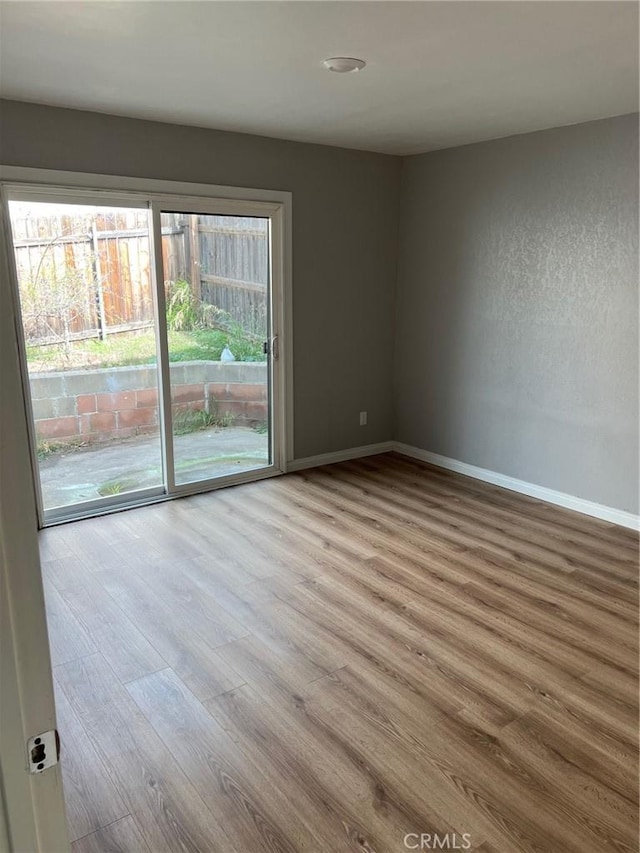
(438, 74)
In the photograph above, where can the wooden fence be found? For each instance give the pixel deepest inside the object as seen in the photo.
(226, 260)
(88, 273)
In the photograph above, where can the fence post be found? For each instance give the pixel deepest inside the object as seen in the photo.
(97, 276)
(194, 247)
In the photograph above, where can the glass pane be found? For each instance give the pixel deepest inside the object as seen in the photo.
(216, 271)
(85, 290)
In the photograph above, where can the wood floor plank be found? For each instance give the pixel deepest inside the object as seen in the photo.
(420, 768)
(449, 675)
(567, 766)
(334, 659)
(505, 806)
(91, 544)
(410, 494)
(122, 836)
(68, 639)
(66, 573)
(171, 580)
(332, 770)
(526, 506)
(454, 533)
(167, 627)
(91, 799)
(272, 662)
(255, 812)
(168, 811)
(53, 546)
(125, 648)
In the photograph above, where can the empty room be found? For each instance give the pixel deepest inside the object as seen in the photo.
(319, 444)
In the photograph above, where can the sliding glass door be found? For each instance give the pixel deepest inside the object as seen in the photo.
(148, 343)
(86, 298)
(217, 318)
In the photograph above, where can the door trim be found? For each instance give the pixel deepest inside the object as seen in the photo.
(276, 204)
(162, 346)
(33, 804)
(16, 317)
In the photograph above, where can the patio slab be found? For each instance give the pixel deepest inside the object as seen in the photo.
(123, 466)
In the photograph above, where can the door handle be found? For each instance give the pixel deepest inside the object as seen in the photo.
(271, 347)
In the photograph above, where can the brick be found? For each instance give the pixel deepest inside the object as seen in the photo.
(137, 417)
(102, 422)
(43, 409)
(237, 371)
(241, 391)
(57, 428)
(193, 373)
(187, 393)
(86, 403)
(46, 385)
(64, 406)
(177, 373)
(256, 411)
(235, 407)
(237, 391)
(219, 390)
(116, 402)
(78, 382)
(146, 397)
(131, 378)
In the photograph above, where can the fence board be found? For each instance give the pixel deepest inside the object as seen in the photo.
(226, 260)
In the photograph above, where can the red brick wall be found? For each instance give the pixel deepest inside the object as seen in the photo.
(101, 417)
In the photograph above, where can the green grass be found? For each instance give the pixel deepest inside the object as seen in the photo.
(187, 420)
(111, 487)
(140, 348)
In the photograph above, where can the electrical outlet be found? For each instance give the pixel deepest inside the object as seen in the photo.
(363, 418)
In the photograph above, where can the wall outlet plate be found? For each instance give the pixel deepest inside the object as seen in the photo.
(363, 418)
(43, 751)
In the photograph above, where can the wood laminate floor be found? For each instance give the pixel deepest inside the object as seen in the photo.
(341, 658)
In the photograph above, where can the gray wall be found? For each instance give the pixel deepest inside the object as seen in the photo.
(517, 308)
(345, 219)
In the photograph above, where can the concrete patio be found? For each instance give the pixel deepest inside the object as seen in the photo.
(120, 466)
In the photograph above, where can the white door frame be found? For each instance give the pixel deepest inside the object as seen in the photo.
(48, 185)
(33, 805)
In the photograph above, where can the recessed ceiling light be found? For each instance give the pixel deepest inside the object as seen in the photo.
(344, 64)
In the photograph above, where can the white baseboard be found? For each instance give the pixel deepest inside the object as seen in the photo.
(606, 513)
(341, 456)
